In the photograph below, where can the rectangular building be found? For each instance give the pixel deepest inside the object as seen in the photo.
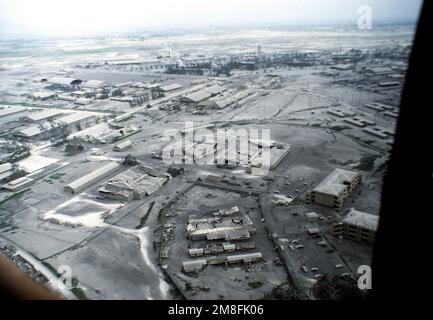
(358, 226)
(91, 178)
(335, 188)
(220, 228)
(17, 184)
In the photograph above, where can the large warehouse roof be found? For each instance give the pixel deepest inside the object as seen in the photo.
(75, 117)
(94, 176)
(197, 96)
(64, 81)
(94, 84)
(42, 115)
(215, 89)
(170, 87)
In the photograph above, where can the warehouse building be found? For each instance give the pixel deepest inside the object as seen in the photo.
(245, 258)
(93, 177)
(46, 115)
(11, 110)
(17, 184)
(377, 131)
(229, 235)
(220, 228)
(335, 188)
(196, 97)
(168, 88)
(378, 71)
(43, 95)
(202, 95)
(123, 146)
(358, 226)
(64, 81)
(134, 183)
(76, 120)
(194, 265)
(94, 84)
(6, 170)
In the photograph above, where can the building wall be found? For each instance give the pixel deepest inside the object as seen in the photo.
(323, 199)
(333, 201)
(355, 233)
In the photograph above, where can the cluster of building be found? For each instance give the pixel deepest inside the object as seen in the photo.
(214, 238)
(106, 132)
(132, 184)
(80, 92)
(367, 125)
(48, 122)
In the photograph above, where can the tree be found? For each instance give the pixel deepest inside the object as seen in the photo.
(59, 133)
(130, 161)
(337, 288)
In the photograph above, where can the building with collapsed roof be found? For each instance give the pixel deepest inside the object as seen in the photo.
(358, 226)
(134, 183)
(335, 188)
(217, 228)
(11, 110)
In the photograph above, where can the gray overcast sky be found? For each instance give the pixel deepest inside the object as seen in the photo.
(60, 17)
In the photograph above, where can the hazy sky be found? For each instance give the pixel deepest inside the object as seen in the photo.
(61, 17)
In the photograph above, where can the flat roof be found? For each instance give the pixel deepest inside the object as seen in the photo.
(4, 167)
(65, 81)
(123, 144)
(31, 131)
(170, 87)
(362, 219)
(245, 256)
(93, 176)
(76, 116)
(198, 96)
(333, 184)
(41, 115)
(215, 89)
(17, 183)
(94, 84)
